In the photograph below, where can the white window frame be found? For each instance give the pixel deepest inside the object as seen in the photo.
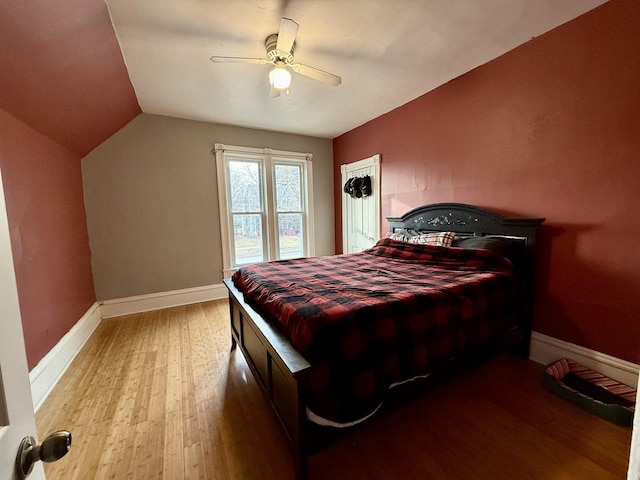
(267, 159)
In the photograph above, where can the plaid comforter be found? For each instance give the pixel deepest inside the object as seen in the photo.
(368, 320)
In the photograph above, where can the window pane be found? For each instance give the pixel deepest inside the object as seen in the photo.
(290, 235)
(244, 180)
(288, 197)
(247, 238)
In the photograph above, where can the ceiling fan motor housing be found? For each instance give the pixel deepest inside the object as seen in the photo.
(273, 54)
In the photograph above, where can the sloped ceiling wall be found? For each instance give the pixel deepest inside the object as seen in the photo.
(62, 71)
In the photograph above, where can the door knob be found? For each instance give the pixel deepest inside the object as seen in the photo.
(52, 448)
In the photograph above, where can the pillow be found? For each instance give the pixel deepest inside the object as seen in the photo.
(401, 237)
(514, 250)
(439, 239)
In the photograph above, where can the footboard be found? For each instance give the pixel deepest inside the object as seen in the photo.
(279, 369)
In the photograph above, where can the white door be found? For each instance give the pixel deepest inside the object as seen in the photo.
(361, 216)
(16, 407)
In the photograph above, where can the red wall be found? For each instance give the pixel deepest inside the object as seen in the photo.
(47, 224)
(551, 129)
(64, 89)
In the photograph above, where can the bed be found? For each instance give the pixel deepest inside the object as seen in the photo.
(327, 338)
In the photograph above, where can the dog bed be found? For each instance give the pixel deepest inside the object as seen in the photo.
(591, 390)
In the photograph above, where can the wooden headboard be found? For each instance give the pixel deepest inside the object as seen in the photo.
(466, 220)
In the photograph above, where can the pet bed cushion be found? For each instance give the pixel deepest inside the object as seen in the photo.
(591, 390)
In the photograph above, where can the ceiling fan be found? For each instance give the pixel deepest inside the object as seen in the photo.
(280, 47)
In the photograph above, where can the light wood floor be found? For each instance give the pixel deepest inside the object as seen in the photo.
(158, 396)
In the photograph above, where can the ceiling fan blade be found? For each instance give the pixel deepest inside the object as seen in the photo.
(316, 74)
(256, 61)
(286, 34)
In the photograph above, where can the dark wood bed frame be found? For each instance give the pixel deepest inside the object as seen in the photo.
(281, 372)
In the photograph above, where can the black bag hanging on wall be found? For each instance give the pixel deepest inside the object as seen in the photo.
(348, 187)
(366, 186)
(358, 187)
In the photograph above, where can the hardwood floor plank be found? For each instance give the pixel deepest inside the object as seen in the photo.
(158, 395)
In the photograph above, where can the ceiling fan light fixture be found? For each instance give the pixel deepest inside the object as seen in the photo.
(280, 77)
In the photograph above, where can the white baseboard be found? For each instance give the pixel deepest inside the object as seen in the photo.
(546, 350)
(157, 301)
(48, 371)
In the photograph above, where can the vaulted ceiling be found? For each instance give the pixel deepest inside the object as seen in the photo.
(61, 71)
(387, 52)
(76, 70)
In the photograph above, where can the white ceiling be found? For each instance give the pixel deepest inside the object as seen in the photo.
(387, 52)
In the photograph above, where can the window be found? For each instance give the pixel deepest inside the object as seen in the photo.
(265, 205)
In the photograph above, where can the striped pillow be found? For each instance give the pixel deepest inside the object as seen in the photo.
(401, 237)
(439, 239)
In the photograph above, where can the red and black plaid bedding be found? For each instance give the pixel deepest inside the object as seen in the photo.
(367, 320)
